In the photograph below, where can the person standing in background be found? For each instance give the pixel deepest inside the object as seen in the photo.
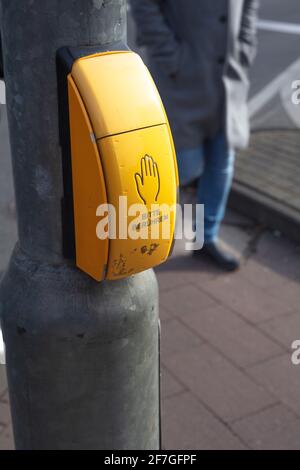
(199, 54)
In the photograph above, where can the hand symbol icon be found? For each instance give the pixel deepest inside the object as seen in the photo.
(148, 181)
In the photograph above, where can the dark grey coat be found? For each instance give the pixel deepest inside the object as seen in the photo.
(199, 54)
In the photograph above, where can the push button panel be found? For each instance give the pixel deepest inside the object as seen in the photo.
(140, 166)
(118, 92)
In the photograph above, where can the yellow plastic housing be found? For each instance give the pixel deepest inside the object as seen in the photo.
(121, 145)
(89, 189)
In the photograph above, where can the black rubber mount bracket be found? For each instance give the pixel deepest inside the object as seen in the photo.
(65, 58)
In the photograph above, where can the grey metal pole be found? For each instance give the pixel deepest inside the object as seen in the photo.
(82, 357)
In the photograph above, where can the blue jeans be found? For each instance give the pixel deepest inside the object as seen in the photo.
(212, 165)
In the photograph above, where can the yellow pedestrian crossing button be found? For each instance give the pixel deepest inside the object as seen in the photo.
(122, 165)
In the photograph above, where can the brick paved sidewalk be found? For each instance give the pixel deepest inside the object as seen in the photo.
(267, 180)
(227, 377)
(6, 440)
(271, 166)
(228, 380)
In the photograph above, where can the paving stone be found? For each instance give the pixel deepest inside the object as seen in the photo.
(276, 428)
(201, 271)
(232, 336)
(280, 255)
(265, 163)
(289, 293)
(280, 246)
(6, 439)
(185, 269)
(261, 276)
(247, 300)
(187, 424)
(237, 220)
(176, 338)
(236, 239)
(169, 385)
(168, 280)
(185, 299)
(5, 416)
(285, 329)
(217, 383)
(164, 314)
(288, 266)
(4, 398)
(3, 380)
(281, 378)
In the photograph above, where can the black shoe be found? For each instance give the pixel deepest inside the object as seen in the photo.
(220, 255)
